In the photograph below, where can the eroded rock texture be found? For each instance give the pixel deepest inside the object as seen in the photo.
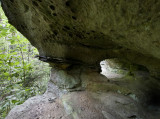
(82, 105)
(95, 97)
(90, 31)
(74, 36)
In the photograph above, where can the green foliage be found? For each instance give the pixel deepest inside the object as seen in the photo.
(21, 75)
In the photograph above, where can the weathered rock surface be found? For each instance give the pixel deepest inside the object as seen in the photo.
(74, 36)
(95, 97)
(81, 105)
(91, 31)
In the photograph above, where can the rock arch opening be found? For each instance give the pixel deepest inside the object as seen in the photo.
(143, 87)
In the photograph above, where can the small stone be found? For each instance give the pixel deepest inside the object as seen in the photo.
(51, 100)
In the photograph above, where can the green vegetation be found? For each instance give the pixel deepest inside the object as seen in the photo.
(21, 75)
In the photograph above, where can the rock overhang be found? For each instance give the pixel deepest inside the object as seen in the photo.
(90, 31)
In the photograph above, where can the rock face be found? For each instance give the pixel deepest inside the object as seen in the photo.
(83, 93)
(91, 31)
(74, 36)
(82, 105)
